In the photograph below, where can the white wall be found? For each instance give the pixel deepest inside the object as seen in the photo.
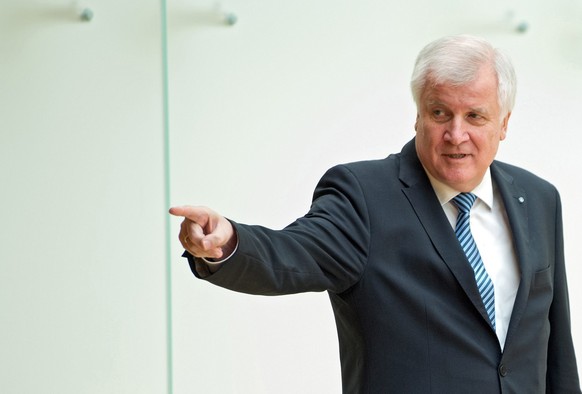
(257, 112)
(261, 109)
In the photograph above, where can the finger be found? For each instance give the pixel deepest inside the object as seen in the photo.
(212, 241)
(205, 217)
(203, 232)
(196, 243)
(201, 215)
(196, 214)
(178, 211)
(212, 252)
(191, 235)
(184, 236)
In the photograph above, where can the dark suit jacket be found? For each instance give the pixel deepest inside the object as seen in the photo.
(408, 312)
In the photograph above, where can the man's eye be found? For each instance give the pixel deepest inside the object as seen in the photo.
(473, 115)
(440, 115)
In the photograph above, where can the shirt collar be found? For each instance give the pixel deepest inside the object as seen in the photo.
(484, 191)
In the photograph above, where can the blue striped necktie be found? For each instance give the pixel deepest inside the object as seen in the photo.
(464, 202)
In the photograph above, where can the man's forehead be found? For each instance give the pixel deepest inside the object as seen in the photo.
(436, 102)
(477, 94)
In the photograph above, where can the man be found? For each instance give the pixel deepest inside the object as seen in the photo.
(444, 267)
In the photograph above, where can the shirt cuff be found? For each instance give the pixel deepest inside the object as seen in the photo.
(215, 262)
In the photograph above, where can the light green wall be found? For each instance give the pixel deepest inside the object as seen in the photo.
(82, 256)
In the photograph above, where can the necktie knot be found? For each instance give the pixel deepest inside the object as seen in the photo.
(464, 201)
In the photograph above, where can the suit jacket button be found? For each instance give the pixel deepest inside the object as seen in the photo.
(502, 370)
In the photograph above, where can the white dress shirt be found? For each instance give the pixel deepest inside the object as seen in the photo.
(491, 231)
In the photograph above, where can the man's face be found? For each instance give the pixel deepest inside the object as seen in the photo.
(458, 130)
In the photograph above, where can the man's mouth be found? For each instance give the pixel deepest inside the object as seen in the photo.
(456, 155)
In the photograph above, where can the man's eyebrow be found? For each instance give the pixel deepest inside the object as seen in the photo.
(480, 110)
(435, 102)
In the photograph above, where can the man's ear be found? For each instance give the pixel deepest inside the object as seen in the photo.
(416, 122)
(504, 124)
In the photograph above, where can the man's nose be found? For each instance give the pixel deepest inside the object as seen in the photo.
(456, 132)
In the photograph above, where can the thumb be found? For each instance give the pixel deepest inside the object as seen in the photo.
(221, 242)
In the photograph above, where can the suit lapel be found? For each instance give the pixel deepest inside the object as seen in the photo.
(435, 223)
(433, 219)
(515, 201)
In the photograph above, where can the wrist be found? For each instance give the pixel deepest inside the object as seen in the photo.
(230, 247)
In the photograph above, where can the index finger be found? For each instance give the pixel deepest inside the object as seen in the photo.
(190, 212)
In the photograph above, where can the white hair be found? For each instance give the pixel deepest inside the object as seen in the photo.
(456, 60)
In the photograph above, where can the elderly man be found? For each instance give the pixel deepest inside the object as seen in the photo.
(445, 267)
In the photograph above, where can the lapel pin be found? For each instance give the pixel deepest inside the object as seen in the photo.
(521, 200)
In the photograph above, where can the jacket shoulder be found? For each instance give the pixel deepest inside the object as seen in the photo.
(521, 176)
(371, 168)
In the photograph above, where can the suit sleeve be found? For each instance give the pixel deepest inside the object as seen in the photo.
(562, 372)
(324, 250)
